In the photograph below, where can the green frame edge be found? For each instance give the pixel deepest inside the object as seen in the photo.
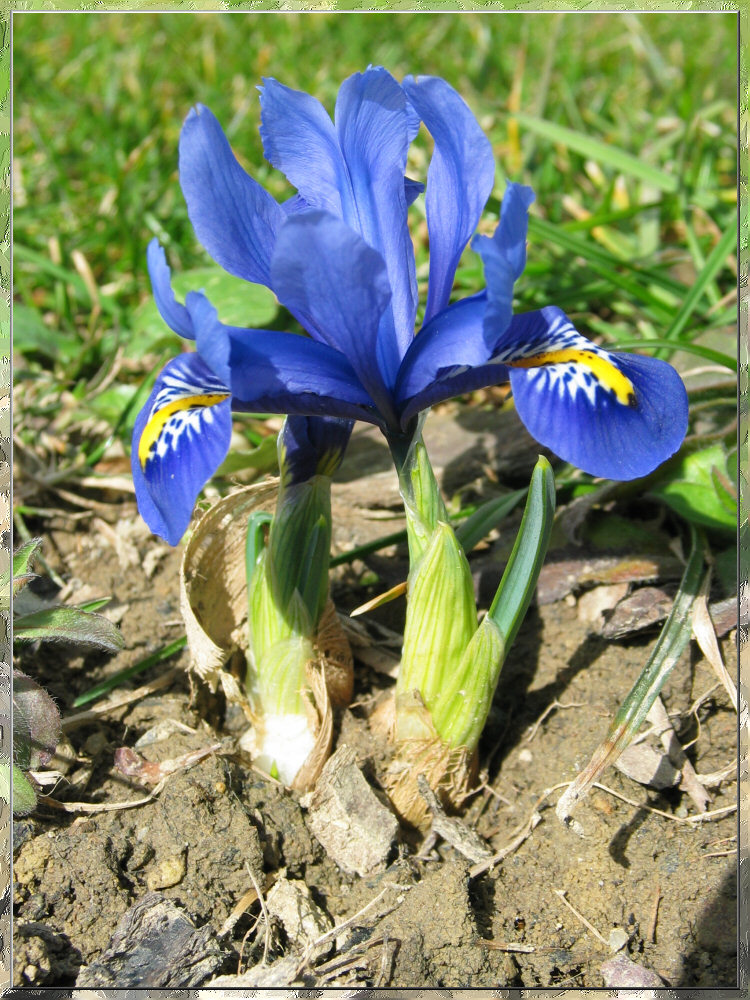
(741, 9)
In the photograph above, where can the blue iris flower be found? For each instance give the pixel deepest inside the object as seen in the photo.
(338, 255)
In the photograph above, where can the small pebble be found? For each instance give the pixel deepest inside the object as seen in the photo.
(167, 873)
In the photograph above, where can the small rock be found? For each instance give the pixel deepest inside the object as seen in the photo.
(154, 945)
(170, 871)
(355, 828)
(593, 604)
(620, 972)
(648, 767)
(282, 972)
(646, 606)
(618, 938)
(290, 902)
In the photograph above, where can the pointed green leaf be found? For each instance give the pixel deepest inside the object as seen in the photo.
(519, 579)
(69, 625)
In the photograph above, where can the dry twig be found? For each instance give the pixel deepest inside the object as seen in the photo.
(584, 921)
(514, 844)
(81, 718)
(651, 933)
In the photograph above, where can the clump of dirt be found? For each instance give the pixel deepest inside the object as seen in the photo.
(219, 830)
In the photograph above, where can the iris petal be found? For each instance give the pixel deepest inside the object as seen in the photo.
(613, 415)
(336, 286)
(372, 125)
(459, 179)
(279, 372)
(451, 339)
(181, 437)
(233, 216)
(504, 258)
(299, 140)
(174, 314)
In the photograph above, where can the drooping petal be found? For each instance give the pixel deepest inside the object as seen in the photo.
(312, 446)
(372, 125)
(299, 140)
(274, 372)
(459, 179)
(336, 286)
(504, 258)
(174, 314)
(613, 415)
(181, 437)
(233, 216)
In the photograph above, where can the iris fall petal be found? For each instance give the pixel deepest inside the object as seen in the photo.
(181, 437)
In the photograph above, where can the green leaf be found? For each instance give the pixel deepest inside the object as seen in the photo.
(36, 722)
(69, 625)
(519, 579)
(257, 529)
(95, 605)
(23, 555)
(24, 795)
(673, 639)
(137, 668)
(672, 642)
(237, 302)
(696, 488)
(262, 459)
(610, 268)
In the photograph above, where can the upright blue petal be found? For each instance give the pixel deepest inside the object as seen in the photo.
(181, 437)
(372, 125)
(613, 415)
(174, 314)
(504, 258)
(278, 372)
(459, 179)
(233, 216)
(336, 286)
(299, 140)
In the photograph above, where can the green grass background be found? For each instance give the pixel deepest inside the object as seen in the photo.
(624, 124)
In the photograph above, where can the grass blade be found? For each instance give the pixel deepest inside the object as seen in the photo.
(123, 675)
(471, 531)
(718, 357)
(673, 639)
(716, 260)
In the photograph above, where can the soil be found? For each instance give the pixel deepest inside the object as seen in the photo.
(218, 827)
